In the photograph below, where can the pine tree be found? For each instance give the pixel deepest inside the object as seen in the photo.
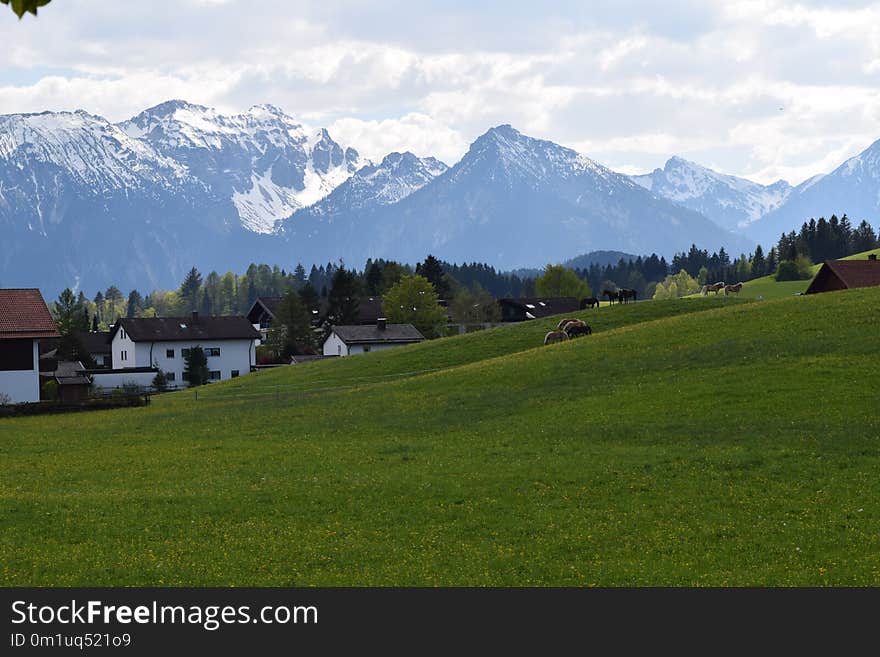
(342, 299)
(135, 304)
(189, 289)
(195, 366)
(432, 270)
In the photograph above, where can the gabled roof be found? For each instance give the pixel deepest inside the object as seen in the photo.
(398, 333)
(267, 304)
(23, 315)
(166, 329)
(851, 273)
(95, 343)
(543, 306)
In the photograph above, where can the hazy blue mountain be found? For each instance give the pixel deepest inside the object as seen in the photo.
(731, 202)
(852, 189)
(601, 258)
(515, 201)
(89, 203)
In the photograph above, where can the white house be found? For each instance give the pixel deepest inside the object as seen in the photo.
(350, 340)
(24, 321)
(162, 342)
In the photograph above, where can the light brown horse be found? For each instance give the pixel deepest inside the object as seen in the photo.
(563, 322)
(715, 287)
(555, 336)
(736, 289)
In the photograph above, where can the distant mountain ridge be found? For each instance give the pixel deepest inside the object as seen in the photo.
(731, 202)
(86, 202)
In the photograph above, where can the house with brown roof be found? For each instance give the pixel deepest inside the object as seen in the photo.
(143, 344)
(350, 340)
(845, 275)
(24, 321)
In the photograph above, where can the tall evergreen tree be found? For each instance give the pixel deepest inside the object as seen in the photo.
(342, 299)
(189, 289)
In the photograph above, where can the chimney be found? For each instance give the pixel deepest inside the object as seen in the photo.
(195, 318)
(381, 323)
(873, 256)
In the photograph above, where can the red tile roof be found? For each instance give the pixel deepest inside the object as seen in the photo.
(23, 314)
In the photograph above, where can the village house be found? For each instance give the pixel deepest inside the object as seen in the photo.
(263, 312)
(845, 275)
(141, 346)
(350, 340)
(24, 321)
(97, 345)
(520, 310)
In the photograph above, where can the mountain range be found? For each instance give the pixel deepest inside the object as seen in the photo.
(85, 202)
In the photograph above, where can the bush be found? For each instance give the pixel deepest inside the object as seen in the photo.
(798, 269)
(160, 381)
(50, 391)
(5, 400)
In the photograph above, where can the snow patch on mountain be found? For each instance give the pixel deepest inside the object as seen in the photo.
(730, 201)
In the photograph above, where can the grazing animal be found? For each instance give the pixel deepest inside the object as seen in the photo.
(589, 302)
(562, 323)
(569, 323)
(626, 294)
(715, 287)
(612, 296)
(736, 289)
(578, 330)
(555, 336)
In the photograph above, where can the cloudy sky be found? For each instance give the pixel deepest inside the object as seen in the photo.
(765, 89)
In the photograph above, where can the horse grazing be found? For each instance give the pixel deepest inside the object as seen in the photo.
(568, 323)
(612, 296)
(578, 330)
(625, 295)
(589, 302)
(555, 336)
(715, 287)
(736, 289)
(563, 322)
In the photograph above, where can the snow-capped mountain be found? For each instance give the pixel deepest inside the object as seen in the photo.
(729, 201)
(89, 203)
(516, 201)
(852, 189)
(265, 162)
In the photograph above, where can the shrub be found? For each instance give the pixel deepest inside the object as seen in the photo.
(5, 400)
(50, 391)
(160, 381)
(798, 269)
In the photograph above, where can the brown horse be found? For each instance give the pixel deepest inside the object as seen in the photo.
(715, 287)
(589, 302)
(626, 294)
(555, 336)
(561, 325)
(736, 289)
(578, 330)
(612, 296)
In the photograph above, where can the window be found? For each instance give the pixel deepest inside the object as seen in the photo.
(339, 350)
(122, 333)
(184, 353)
(234, 374)
(169, 353)
(215, 375)
(212, 351)
(124, 355)
(170, 376)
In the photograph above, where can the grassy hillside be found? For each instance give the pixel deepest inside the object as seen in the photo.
(768, 287)
(738, 445)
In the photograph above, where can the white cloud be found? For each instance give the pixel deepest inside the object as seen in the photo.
(627, 81)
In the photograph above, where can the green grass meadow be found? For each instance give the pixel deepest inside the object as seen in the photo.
(689, 442)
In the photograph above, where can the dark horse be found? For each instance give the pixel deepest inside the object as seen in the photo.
(589, 302)
(612, 296)
(625, 295)
(578, 330)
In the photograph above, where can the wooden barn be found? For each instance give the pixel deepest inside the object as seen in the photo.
(845, 275)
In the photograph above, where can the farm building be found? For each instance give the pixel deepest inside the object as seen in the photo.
(24, 321)
(349, 340)
(70, 377)
(139, 344)
(262, 313)
(520, 310)
(845, 275)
